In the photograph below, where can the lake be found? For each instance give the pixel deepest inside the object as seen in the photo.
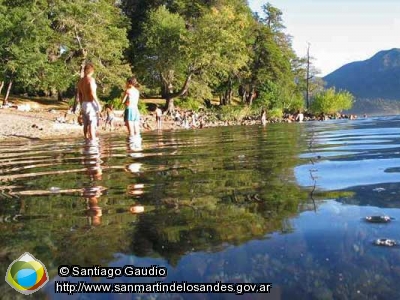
(283, 205)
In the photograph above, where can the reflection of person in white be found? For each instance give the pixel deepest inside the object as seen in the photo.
(89, 103)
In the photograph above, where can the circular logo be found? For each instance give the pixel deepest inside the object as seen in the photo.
(27, 274)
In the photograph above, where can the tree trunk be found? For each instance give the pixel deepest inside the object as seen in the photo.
(170, 97)
(228, 96)
(229, 92)
(1, 86)
(244, 97)
(76, 106)
(170, 105)
(250, 96)
(166, 89)
(59, 96)
(221, 99)
(242, 93)
(83, 64)
(5, 101)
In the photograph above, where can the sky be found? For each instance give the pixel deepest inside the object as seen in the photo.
(338, 31)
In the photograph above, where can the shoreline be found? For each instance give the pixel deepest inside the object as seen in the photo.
(43, 123)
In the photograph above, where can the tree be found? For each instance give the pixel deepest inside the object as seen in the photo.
(331, 102)
(308, 83)
(177, 54)
(270, 77)
(3, 43)
(273, 18)
(24, 35)
(45, 44)
(162, 61)
(84, 31)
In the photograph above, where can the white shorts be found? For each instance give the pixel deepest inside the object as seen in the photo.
(89, 113)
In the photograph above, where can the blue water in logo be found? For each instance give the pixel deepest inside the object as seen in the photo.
(26, 278)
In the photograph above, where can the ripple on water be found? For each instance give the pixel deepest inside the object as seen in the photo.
(222, 204)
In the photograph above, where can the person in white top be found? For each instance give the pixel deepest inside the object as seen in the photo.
(300, 117)
(132, 114)
(158, 117)
(263, 117)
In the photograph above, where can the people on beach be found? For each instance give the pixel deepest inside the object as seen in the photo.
(110, 116)
(90, 105)
(159, 118)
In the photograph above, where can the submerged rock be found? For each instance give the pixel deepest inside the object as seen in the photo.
(385, 242)
(378, 219)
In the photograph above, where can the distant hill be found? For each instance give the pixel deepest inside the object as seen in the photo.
(372, 81)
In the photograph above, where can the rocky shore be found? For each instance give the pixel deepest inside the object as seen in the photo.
(41, 122)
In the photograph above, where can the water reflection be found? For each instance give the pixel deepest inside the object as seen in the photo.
(94, 211)
(135, 189)
(229, 204)
(91, 193)
(92, 160)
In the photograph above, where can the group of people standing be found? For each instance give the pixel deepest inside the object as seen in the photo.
(91, 107)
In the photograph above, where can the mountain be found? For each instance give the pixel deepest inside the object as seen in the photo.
(374, 78)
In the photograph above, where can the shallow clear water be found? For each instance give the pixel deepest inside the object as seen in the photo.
(283, 204)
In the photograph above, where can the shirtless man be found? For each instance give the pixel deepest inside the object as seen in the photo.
(89, 102)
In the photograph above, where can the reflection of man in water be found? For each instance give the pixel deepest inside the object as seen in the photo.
(92, 162)
(93, 210)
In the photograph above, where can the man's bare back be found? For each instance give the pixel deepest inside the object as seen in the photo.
(90, 103)
(87, 89)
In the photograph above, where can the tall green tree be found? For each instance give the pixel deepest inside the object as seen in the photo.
(211, 47)
(24, 32)
(307, 81)
(45, 43)
(87, 31)
(3, 28)
(270, 77)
